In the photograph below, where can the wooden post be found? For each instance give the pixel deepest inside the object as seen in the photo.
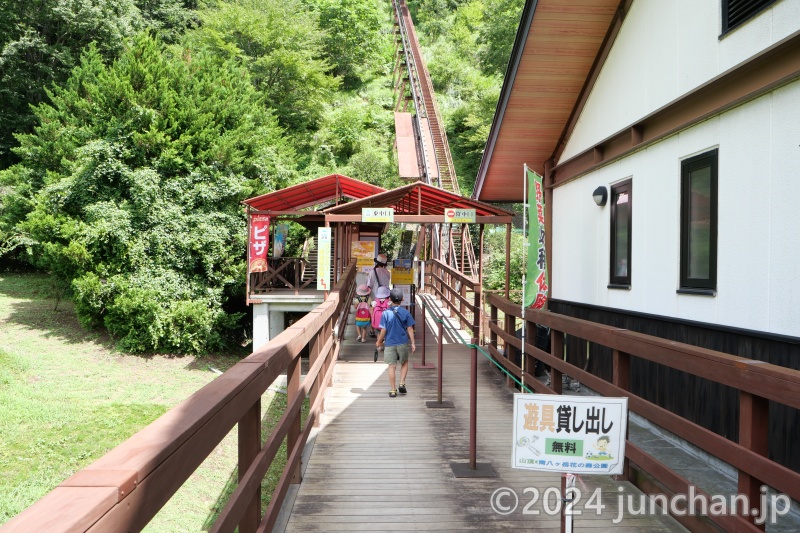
(480, 284)
(492, 320)
(440, 357)
(621, 368)
(313, 354)
(249, 446)
(753, 434)
(511, 351)
(556, 350)
(508, 258)
(293, 434)
(473, 405)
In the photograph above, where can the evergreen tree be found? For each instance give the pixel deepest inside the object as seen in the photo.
(130, 190)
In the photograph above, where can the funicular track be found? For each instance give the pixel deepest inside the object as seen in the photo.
(455, 245)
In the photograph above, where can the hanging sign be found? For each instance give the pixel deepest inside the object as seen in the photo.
(572, 434)
(459, 216)
(259, 243)
(324, 259)
(377, 214)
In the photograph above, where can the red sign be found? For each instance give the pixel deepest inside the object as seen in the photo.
(259, 243)
(451, 213)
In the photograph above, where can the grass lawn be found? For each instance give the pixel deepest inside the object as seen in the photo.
(68, 397)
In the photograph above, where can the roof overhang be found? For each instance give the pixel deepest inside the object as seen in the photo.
(557, 51)
(421, 203)
(333, 187)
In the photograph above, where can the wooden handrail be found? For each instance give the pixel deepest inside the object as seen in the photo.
(753, 379)
(124, 489)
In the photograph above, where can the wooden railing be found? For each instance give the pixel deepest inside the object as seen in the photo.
(283, 273)
(124, 489)
(757, 383)
(453, 289)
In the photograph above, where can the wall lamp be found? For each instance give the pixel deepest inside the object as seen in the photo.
(600, 196)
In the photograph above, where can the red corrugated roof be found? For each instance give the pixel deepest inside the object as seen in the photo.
(419, 198)
(314, 192)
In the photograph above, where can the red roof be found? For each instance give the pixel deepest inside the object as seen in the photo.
(314, 192)
(418, 198)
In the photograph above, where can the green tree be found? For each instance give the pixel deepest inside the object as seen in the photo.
(281, 45)
(130, 189)
(496, 35)
(41, 41)
(351, 35)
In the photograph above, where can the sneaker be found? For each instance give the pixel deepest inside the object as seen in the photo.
(402, 388)
(392, 394)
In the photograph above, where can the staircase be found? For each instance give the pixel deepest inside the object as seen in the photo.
(310, 254)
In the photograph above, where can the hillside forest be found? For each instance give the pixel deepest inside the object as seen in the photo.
(131, 130)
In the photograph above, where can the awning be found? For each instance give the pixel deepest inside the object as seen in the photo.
(311, 193)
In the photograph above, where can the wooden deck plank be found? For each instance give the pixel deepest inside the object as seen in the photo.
(384, 464)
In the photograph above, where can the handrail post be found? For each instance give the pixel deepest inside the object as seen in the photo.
(423, 364)
(492, 320)
(441, 355)
(753, 434)
(556, 350)
(313, 354)
(249, 445)
(473, 404)
(293, 435)
(621, 377)
(511, 351)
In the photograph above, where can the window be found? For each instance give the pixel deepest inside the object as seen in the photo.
(699, 223)
(737, 12)
(621, 208)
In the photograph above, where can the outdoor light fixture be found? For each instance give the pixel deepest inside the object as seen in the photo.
(600, 196)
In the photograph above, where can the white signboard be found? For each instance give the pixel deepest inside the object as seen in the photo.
(324, 259)
(377, 214)
(572, 434)
(459, 215)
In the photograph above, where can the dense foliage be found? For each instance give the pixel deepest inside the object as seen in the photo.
(41, 42)
(130, 130)
(146, 134)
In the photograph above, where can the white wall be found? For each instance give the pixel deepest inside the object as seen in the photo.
(665, 49)
(758, 273)
(268, 316)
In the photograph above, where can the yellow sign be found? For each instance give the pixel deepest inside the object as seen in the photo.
(324, 259)
(377, 214)
(459, 216)
(402, 273)
(364, 252)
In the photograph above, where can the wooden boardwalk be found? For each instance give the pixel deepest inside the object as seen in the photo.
(384, 464)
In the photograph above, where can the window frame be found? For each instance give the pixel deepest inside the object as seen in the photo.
(708, 285)
(620, 282)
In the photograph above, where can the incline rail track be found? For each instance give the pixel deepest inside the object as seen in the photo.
(456, 243)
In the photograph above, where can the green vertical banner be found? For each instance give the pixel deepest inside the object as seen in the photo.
(536, 284)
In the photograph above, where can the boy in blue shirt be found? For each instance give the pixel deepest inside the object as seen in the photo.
(396, 333)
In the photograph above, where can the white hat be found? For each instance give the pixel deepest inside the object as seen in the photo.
(382, 292)
(382, 259)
